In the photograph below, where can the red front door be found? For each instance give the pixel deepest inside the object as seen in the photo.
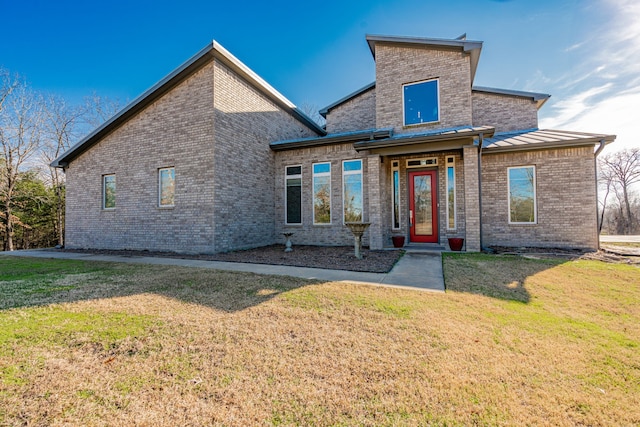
(423, 204)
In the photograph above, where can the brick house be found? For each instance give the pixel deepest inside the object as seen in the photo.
(212, 158)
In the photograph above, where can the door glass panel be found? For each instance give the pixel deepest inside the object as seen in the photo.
(422, 204)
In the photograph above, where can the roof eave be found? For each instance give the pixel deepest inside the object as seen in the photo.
(607, 139)
(199, 60)
(486, 132)
(367, 135)
(323, 112)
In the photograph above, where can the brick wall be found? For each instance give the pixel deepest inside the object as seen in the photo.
(334, 234)
(397, 65)
(224, 171)
(245, 122)
(566, 199)
(505, 113)
(177, 131)
(356, 114)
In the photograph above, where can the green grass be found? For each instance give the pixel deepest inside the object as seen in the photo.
(514, 341)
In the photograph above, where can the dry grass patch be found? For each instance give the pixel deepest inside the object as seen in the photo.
(523, 342)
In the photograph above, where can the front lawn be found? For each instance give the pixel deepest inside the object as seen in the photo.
(514, 341)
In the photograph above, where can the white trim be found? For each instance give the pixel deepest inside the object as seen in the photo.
(448, 165)
(395, 167)
(437, 80)
(286, 178)
(424, 162)
(104, 191)
(160, 205)
(313, 191)
(353, 172)
(535, 196)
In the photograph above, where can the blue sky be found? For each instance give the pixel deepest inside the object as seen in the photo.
(583, 52)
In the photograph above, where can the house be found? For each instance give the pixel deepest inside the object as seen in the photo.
(212, 158)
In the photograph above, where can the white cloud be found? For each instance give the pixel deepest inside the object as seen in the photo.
(602, 92)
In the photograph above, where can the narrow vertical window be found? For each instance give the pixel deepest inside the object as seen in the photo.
(293, 195)
(395, 188)
(166, 187)
(322, 193)
(522, 195)
(108, 191)
(352, 190)
(451, 193)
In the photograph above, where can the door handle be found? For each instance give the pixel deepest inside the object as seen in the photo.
(410, 218)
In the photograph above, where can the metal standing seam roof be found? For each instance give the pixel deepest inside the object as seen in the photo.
(188, 68)
(532, 139)
(472, 47)
(539, 98)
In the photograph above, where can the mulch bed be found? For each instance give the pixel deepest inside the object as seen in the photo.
(617, 255)
(331, 257)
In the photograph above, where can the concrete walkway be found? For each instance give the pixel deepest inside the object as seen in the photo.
(419, 270)
(622, 239)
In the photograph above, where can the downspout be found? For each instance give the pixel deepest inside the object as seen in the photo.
(595, 168)
(480, 144)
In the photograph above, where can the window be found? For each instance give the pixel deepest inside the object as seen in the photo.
(522, 195)
(395, 186)
(322, 193)
(166, 187)
(352, 190)
(451, 193)
(421, 102)
(108, 191)
(293, 195)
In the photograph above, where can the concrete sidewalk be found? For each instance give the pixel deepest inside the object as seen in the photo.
(415, 270)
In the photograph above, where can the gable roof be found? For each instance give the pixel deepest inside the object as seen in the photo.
(188, 68)
(473, 48)
(539, 98)
(532, 139)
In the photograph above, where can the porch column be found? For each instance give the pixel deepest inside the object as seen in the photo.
(471, 198)
(374, 172)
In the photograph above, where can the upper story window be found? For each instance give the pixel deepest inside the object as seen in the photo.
(421, 102)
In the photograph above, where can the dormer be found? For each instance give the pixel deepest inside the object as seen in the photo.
(423, 83)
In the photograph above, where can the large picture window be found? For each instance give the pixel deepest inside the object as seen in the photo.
(322, 193)
(108, 191)
(166, 187)
(522, 195)
(352, 190)
(421, 102)
(293, 195)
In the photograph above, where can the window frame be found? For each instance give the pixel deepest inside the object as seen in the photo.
(104, 192)
(315, 175)
(451, 165)
(396, 217)
(404, 104)
(287, 177)
(160, 170)
(535, 195)
(346, 173)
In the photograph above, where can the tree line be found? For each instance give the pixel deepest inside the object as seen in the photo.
(35, 128)
(619, 178)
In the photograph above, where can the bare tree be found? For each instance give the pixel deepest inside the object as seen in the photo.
(62, 124)
(622, 170)
(20, 129)
(99, 109)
